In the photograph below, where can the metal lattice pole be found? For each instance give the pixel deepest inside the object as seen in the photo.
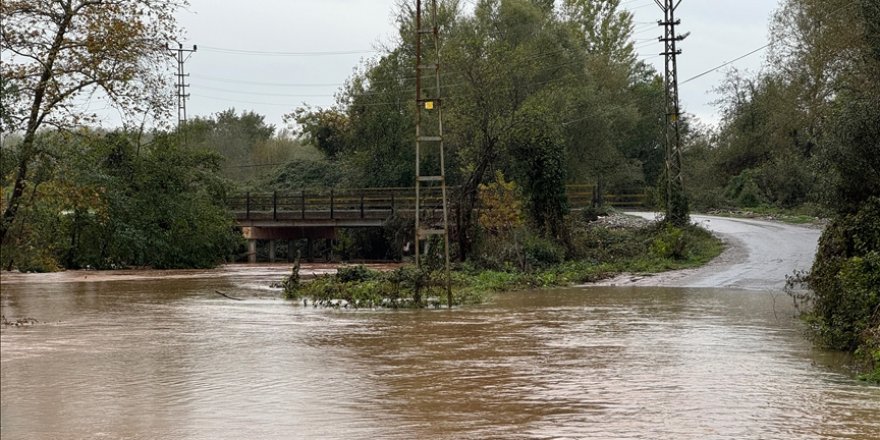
(429, 134)
(676, 203)
(181, 55)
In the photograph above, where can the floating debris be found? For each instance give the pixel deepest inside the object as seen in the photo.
(20, 322)
(227, 296)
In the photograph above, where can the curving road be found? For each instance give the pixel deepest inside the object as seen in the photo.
(758, 256)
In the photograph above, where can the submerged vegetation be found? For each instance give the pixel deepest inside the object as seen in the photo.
(597, 252)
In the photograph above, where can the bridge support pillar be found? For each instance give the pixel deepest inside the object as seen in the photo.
(271, 251)
(291, 251)
(252, 251)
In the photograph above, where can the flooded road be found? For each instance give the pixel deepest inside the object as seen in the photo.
(170, 359)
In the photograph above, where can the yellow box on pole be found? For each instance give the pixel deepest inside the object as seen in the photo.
(429, 105)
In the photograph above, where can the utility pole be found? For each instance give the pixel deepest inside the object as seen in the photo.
(182, 56)
(677, 211)
(429, 141)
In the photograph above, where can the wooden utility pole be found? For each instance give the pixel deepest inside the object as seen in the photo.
(676, 204)
(429, 139)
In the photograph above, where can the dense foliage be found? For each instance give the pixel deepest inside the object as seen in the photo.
(56, 52)
(102, 201)
(805, 134)
(545, 93)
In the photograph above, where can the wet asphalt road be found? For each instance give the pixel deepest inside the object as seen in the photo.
(759, 255)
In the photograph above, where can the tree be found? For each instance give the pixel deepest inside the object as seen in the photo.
(232, 135)
(605, 29)
(537, 144)
(830, 52)
(327, 129)
(503, 54)
(504, 57)
(57, 51)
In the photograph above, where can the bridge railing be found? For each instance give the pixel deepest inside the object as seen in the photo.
(378, 203)
(335, 204)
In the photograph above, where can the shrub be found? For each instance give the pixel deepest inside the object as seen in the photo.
(845, 282)
(347, 274)
(291, 284)
(669, 242)
(540, 252)
(744, 190)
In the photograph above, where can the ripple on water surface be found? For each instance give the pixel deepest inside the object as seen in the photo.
(170, 359)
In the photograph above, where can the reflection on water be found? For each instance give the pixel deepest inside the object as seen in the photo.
(171, 359)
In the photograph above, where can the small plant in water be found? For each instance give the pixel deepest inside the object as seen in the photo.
(291, 284)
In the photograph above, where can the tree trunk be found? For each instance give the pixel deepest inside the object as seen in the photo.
(35, 119)
(468, 201)
(17, 190)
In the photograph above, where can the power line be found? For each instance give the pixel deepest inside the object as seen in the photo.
(240, 92)
(270, 84)
(285, 54)
(828, 14)
(725, 64)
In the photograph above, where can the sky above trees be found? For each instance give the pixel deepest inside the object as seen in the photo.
(272, 56)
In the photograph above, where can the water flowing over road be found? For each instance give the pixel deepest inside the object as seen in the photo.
(140, 357)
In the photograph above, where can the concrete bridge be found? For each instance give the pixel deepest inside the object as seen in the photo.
(315, 214)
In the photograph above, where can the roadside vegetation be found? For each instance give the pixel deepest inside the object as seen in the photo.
(807, 132)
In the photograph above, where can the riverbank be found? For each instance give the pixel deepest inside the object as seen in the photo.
(610, 246)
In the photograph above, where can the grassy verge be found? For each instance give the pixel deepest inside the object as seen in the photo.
(799, 216)
(600, 253)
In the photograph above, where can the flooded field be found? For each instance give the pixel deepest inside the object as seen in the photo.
(143, 358)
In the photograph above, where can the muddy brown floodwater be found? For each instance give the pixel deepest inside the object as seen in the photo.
(140, 358)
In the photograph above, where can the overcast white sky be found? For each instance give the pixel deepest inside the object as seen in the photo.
(225, 72)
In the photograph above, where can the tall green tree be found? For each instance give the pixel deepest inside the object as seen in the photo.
(606, 30)
(57, 51)
(830, 53)
(498, 65)
(507, 52)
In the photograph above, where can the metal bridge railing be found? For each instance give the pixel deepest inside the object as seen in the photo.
(379, 203)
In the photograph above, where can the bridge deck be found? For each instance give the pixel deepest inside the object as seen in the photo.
(369, 207)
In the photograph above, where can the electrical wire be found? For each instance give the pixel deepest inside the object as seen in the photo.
(284, 54)
(725, 64)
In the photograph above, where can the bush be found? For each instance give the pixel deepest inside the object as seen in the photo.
(787, 180)
(605, 244)
(540, 252)
(744, 190)
(845, 282)
(348, 274)
(359, 286)
(669, 242)
(292, 283)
